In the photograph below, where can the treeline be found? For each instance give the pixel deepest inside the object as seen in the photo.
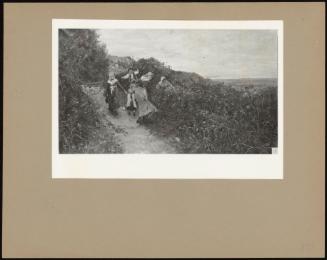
(81, 60)
(207, 117)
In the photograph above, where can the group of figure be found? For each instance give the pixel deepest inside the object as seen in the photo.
(137, 102)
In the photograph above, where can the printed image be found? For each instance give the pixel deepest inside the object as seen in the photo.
(168, 91)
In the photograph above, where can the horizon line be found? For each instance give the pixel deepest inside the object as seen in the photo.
(204, 76)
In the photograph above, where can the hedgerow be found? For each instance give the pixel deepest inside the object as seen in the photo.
(207, 117)
(81, 60)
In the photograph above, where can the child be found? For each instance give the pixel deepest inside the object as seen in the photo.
(131, 105)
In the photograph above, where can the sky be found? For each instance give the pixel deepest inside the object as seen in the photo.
(225, 54)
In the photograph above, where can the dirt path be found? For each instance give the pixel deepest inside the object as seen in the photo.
(136, 138)
(132, 137)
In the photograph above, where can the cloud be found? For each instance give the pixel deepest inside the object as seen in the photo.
(215, 53)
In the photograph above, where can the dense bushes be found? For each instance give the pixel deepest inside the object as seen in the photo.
(213, 118)
(81, 60)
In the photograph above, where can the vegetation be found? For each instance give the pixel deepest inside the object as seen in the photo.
(197, 115)
(81, 60)
(209, 117)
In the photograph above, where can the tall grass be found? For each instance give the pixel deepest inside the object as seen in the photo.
(81, 60)
(207, 117)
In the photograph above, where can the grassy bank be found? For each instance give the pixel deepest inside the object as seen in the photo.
(81, 60)
(202, 116)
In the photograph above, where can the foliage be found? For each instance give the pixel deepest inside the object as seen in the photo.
(81, 60)
(207, 117)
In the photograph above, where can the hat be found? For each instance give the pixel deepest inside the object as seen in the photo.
(112, 80)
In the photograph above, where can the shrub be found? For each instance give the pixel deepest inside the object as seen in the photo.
(212, 118)
(81, 59)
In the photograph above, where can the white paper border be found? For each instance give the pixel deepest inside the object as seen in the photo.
(166, 166)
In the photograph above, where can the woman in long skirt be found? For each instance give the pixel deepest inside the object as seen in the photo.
(110, 94)
(137, 96)
(145, 107)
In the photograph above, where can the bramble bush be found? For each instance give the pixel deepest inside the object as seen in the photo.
(212, 118)
(81, 60)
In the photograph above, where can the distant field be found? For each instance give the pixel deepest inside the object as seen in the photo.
(249, 84)
(269, 82)
(249, 81)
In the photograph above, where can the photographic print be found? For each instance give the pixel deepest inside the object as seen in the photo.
(185, 91)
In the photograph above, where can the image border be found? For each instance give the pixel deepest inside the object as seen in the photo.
(166, 166)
